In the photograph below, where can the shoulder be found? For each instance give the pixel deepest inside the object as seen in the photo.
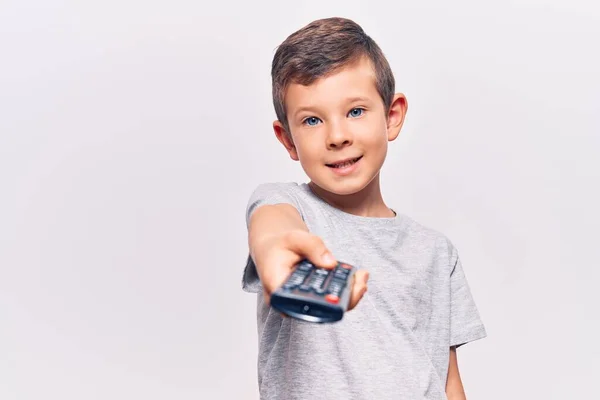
(277, 192)
(277, 187)
(271, 193)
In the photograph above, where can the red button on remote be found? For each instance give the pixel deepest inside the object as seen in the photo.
(332, 298)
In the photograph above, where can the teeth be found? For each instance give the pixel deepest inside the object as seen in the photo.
(346, 164)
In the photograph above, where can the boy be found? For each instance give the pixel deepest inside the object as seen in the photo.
(333, 93)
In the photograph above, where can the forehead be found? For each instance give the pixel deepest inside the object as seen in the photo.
(354, 80)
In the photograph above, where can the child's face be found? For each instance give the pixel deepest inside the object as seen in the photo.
(336, 118)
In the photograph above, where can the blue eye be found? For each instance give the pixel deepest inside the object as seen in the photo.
(311, 121)
(356, 112)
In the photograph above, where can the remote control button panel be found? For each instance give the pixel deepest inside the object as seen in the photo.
(315, 294)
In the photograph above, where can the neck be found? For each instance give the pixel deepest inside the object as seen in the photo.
(368, 202)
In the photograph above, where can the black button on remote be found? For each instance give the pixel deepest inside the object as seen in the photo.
(340, 273)
(305, 266)
(295, 279)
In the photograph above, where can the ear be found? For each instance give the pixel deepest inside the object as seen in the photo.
(396, 115)
(286, 139)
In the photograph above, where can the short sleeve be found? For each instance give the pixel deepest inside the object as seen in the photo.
(465, 322)
(265, 194)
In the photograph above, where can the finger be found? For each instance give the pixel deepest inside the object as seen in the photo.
(359, 288)
(278, 269)
(312, 247)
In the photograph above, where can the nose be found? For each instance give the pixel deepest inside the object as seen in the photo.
(338, 137)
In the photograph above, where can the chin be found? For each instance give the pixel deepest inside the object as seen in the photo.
(342, 188)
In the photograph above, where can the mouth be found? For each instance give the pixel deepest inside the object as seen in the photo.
(344, 163)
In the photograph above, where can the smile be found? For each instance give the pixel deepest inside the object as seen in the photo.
(344, 163)
(345, 167)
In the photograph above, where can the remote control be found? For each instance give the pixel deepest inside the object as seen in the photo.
(315, 294)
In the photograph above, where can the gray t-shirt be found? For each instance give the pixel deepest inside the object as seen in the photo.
(395, 343)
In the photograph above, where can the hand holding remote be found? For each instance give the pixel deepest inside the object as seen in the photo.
(276, 257)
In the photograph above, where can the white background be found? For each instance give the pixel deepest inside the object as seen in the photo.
(133, 132)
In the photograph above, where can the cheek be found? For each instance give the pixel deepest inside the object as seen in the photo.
(305, 150)
(375, 136)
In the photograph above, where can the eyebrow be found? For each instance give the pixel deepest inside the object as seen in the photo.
(302, 109)
(348, 100)
(356, 99)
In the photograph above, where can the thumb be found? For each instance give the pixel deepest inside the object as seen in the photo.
(313, 248)
(359, 288)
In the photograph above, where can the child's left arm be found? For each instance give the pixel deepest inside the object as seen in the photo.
(454, 387)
